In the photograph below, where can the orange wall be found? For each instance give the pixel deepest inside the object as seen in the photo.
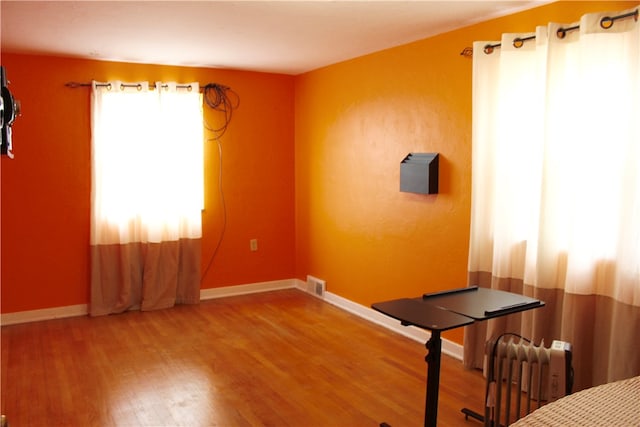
(355, 122)
(46, 188)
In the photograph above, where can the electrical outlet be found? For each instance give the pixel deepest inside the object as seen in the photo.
(253, 245)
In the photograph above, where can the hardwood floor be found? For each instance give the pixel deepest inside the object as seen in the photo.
(279, 358)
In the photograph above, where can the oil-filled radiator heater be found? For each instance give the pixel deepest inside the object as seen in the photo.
(522, 377)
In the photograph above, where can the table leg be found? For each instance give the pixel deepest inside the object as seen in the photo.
(434, 348)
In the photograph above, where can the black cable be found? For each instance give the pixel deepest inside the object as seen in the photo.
(224, 100)
(224, 211)
(219, 98)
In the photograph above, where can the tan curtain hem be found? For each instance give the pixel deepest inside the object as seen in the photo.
(148, 276)
(602, 331)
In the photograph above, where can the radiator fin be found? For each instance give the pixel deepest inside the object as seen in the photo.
(519, 370)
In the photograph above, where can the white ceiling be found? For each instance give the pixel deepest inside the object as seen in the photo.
(289, 37)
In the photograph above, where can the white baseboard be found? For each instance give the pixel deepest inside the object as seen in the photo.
(83, 309)
(44, 314)
(448, 347)
(252, 288)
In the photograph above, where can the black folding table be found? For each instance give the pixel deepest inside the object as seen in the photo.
(441, 311)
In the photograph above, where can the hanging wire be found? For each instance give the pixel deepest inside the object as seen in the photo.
(224, 100)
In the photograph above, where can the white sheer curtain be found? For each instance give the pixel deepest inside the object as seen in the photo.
(556, 189)
(147, 195)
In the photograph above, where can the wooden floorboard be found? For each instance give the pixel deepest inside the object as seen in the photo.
(282, 358)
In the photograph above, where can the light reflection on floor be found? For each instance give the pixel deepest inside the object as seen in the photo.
(156, 395)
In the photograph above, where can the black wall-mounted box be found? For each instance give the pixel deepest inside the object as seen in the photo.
(419, 173)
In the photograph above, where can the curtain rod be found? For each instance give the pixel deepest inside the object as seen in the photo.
(74, 85)
(606, 23)
(209, 86)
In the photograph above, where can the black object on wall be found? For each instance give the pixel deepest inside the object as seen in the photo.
(419, 173)
(9, 110)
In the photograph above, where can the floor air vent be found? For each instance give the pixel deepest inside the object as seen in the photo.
(316, 286)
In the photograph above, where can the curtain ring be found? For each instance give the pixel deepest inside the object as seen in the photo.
(189, 88)
(121, 86)
(108, 86)
(139, 87)
(488, 49)
(518, 42)
(561, 33)
(606, 22)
